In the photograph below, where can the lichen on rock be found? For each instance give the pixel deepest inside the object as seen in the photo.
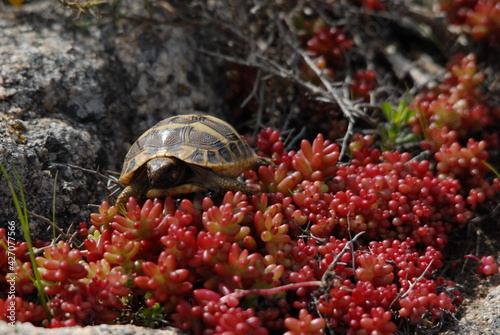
(79, 96)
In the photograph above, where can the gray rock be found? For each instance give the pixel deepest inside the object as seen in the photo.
(29, 329)
(481, 317)
(43, 147)
(80, 96)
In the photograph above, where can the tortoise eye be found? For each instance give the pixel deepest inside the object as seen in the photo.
(172, 172)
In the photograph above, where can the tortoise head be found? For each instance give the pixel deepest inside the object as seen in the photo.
(165, 172)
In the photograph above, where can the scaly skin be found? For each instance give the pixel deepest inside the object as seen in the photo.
(137, 190)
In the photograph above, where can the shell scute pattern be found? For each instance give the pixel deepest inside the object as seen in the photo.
(195, 139)
(197, 157)
(202, 139)
(225, 154)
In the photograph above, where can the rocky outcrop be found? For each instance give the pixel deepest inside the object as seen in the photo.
(76, 97)
(482, 316)
(29, 329)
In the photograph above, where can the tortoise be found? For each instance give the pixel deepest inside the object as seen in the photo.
(185, 154)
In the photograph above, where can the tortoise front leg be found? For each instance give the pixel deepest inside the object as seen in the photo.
(137, 190)
(124, 196)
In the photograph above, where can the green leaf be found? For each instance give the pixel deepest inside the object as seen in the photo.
(400, 112)
(54, 208)
(492, 168)
(393, 131)
(387, 109)
(22, 213)
(406, 136)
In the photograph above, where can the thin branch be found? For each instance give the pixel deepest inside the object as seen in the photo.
(334, 93)
(348, 134)
(272, 67)
(300, 135)
(269, 291)
(254, 90)
(329, 270)
(326, 83)
(418, 279)
(108, 183)
(51, 224)
(62, 234)
(293, 286)
(402, 296)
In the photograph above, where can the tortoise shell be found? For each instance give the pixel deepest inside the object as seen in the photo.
(201, 140)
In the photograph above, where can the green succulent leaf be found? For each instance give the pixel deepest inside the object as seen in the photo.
(387, 110)
(406, 136)
(394, 131)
